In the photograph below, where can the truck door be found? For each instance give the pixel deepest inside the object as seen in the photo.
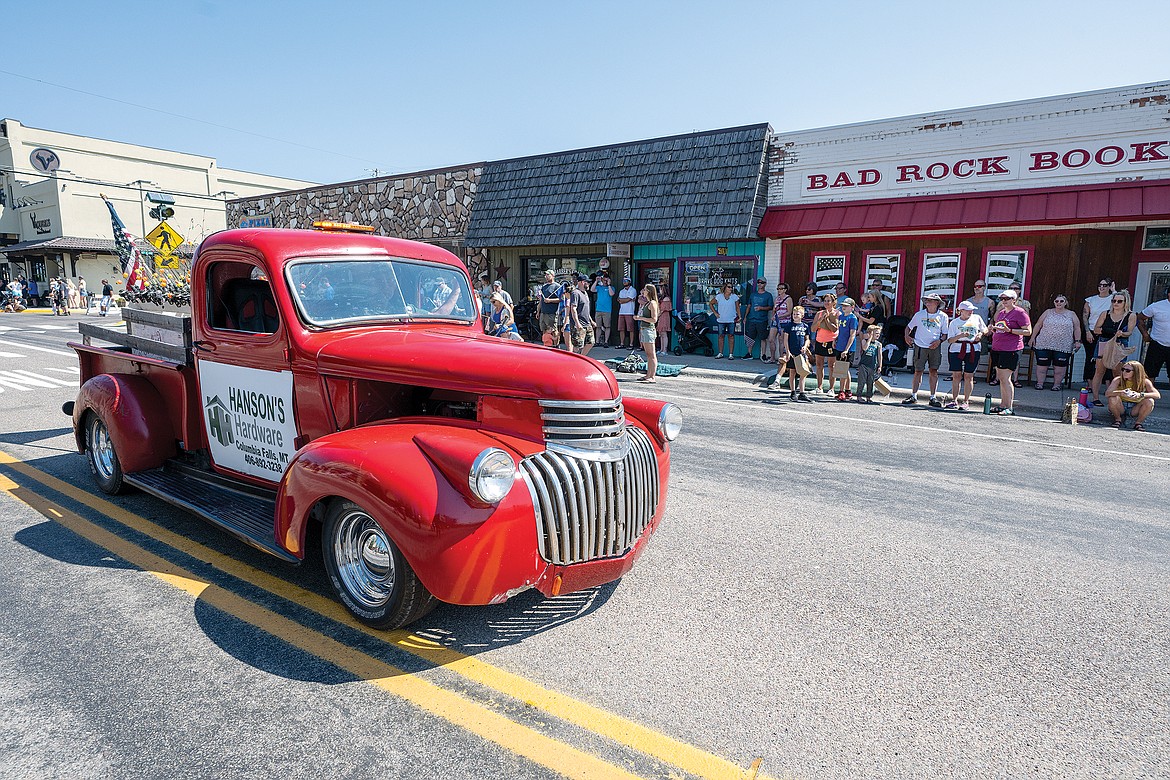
(245, 381)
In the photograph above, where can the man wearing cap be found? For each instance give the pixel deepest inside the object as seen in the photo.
(581, 336)
(1010, 324)
(758, 307)
(550, 299)
(627, 300)
(926, 332)
(498, 288)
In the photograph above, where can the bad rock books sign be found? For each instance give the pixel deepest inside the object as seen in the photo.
(1130, 156)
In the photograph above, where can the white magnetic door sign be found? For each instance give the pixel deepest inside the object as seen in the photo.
(248, 414)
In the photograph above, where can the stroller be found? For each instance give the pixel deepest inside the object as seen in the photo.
(692, 330)
(525, 313)
(896, 349)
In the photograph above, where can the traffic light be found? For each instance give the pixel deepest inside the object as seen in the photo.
(162, 213)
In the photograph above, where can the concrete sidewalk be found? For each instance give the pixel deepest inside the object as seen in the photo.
(1028, 400)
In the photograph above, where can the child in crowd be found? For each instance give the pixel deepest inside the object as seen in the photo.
(846, 334)
(964, 337)
(794, 351)
(869, 366)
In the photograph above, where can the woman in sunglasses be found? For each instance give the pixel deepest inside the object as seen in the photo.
(1131, 393)
(1055, 337)
(1112, 329)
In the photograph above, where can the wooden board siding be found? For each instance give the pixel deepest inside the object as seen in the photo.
(510, 256)
(1061, 262)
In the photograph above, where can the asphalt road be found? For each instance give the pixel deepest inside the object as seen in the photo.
(837, 591)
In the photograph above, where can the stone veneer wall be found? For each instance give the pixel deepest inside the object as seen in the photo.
(425, 206)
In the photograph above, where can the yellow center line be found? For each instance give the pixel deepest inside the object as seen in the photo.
(456, 709)
(643, 739)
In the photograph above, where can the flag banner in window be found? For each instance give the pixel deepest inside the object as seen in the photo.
(827, 271)
(1003, 268)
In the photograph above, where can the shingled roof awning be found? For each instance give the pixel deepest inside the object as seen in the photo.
(1135, 202)
(77, 244)
(707, 186)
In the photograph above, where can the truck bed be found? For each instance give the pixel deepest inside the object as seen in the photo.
(161, 335)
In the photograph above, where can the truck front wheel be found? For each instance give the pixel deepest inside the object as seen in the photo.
(103, 461)
(368, 572)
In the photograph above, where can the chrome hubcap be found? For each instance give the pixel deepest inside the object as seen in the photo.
(364, 562)
(103, 450)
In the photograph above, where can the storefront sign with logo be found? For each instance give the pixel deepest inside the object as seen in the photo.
(618, 250)
(41, 224)
(258, 221)
(1128, 156)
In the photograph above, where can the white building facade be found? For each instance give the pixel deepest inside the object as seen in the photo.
(53, 221)
(1053, 193)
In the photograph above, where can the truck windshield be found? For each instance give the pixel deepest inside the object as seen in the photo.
(332, 292)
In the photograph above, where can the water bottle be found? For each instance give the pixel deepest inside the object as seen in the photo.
(987, 404)
(1083, 399)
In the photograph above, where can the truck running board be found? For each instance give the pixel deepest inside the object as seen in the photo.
(248, 515)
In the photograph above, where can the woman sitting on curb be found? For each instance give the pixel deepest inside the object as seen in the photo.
(1131, 392)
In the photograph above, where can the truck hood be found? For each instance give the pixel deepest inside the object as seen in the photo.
(467, 361)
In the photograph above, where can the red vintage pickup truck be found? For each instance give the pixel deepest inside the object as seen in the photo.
(340, 383)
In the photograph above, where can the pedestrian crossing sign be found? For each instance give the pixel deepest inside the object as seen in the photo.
(165, 239)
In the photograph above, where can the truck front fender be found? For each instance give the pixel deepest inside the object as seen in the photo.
(135, 415)
(402, 474)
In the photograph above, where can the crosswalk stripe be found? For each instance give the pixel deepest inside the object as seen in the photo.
(41, 381)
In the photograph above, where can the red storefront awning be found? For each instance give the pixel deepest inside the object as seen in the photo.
(1118, 202)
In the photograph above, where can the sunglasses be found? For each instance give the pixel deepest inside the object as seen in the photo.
(1127, 370)
(1119, 300)
(980, 286)
(1103, 284)
(1060, 300)
(1006, 298)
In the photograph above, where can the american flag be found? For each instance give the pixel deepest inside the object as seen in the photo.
(132, 265)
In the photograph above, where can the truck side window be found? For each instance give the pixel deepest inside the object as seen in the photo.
(240, 302)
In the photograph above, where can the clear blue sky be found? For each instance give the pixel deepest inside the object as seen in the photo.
(409, 86)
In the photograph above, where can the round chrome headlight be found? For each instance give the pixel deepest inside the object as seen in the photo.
(491, 476)
(670, 422)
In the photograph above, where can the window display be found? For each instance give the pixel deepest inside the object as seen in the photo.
(941, 271)
(886, 268)
(1001, 267)
(827, 271)
(704, 277)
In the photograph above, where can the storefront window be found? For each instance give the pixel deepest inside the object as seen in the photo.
(828, 270)
(886, 268)
(563, 268)
(941, 272)
(703, 278)
(1001, 267)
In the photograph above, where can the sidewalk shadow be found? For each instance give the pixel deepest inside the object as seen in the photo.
(27, 437)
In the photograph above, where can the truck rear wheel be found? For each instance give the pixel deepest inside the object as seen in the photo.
(103, 461)
(368, 572)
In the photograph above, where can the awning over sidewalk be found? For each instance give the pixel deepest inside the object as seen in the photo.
(1135, 202)
(77, 244)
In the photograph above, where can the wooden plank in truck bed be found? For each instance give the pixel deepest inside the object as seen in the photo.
(140, 345)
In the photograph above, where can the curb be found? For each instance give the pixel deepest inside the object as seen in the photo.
(1159, 422)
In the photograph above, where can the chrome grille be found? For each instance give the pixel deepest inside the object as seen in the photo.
(593, 430)
(590, 509)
